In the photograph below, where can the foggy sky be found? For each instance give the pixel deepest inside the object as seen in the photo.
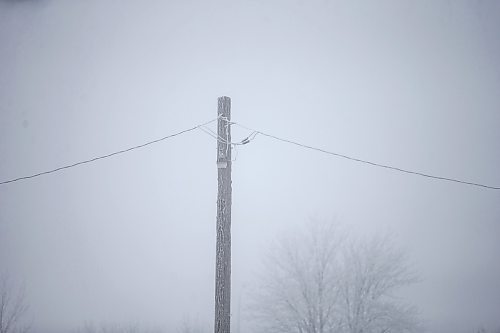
(132, 238)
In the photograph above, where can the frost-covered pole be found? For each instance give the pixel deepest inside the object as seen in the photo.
(223, 247)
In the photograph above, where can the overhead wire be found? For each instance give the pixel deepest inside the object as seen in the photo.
(107, 155)
(355, 159)
(210, 133)
(234, 145)
(245, 141)
(224, 141)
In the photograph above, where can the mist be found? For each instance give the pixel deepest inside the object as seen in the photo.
(130, 239)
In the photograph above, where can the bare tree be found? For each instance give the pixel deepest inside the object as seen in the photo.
(114, 328)
(299, 285)
(373, 271)
(190, 326)
(12, 308)
(319, 281)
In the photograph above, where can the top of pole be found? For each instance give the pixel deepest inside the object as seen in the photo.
(224, 108)
(223, 130)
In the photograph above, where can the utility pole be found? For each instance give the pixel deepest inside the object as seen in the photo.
(223, 247)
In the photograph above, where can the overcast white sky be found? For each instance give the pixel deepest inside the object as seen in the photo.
(415, 84)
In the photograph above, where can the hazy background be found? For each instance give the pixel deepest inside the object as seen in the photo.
(415, 84)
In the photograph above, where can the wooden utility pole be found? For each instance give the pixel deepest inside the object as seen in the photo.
(223, 247)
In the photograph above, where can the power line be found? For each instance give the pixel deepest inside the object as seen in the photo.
(222, 140)
(246, 140)
(366, 161)
(107, 155)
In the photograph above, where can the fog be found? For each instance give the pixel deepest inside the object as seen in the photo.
(131, 238)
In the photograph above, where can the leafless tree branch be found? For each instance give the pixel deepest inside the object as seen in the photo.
(322, 281)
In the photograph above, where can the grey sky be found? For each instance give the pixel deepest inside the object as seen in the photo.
(407, 83)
